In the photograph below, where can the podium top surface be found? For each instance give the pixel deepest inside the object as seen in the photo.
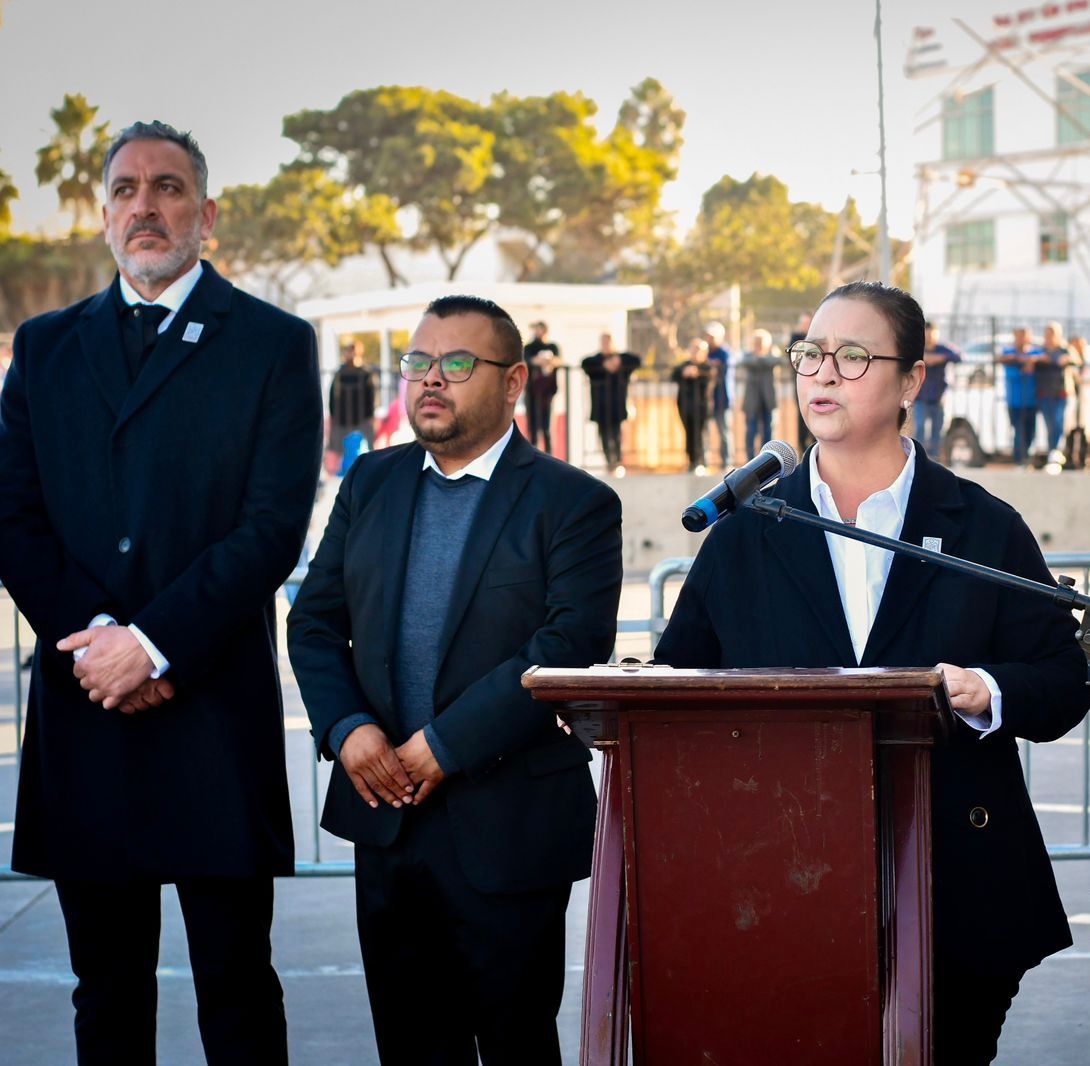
(616, 679)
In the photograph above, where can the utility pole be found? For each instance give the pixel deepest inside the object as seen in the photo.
(884, 268)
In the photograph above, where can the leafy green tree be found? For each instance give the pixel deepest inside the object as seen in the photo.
(751, 234)
(74, 156)
(8, 192)
(550, 162)
(429, 152)
(537, 166)
(300, 218)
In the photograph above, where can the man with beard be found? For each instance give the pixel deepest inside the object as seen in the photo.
(159, 450)
(448, 567)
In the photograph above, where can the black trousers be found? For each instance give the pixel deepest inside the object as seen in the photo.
(610, 434)
(693, 424)
(113, 940)
(539, 419)
(970, 1008)
(451, 971)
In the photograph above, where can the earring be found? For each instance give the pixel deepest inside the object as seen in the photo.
(906, 404)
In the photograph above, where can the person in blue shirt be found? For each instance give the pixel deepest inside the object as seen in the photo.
(929, 414)
(1019, 361)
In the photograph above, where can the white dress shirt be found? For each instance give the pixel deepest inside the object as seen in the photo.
(173, 296)
(483, 466)
(862, 569)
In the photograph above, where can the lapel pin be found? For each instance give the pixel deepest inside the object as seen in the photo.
(933, 544)
(193, 332)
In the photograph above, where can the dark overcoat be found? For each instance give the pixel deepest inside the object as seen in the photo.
(180, 504)
(538, 583)
(764, 594)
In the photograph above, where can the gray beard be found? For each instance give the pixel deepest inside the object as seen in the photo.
(164, 267)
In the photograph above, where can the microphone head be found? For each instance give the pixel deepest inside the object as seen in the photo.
(785, 453)
(694, 519)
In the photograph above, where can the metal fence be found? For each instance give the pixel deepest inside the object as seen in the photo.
(650, 428)
(1076, 564)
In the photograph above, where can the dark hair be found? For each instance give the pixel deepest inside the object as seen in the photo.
(160, 131)
(901, 312)
(508, 338)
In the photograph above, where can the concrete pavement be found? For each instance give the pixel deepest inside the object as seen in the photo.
(317, 955)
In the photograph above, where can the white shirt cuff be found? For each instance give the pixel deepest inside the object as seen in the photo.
(985, 723)
(159, 660)
(98, 620)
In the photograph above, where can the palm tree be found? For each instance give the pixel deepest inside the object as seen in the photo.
(74, 156)
(8, 192)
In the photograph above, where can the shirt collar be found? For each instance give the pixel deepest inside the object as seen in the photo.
(483, 466)
(173, 296)
(898, 492)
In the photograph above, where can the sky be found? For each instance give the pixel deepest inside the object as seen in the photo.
(777, 87)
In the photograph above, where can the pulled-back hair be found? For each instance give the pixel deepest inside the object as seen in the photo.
(508, 338)
(898, 308)
(159, 131)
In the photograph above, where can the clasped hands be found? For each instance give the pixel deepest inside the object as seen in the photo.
(115, 670)
(403, 776)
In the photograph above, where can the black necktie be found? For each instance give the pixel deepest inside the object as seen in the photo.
(150, 317)
(141, 334)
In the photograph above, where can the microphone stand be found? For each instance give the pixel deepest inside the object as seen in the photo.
(1063, 594)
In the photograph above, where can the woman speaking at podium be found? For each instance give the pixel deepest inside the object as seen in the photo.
(767, 594)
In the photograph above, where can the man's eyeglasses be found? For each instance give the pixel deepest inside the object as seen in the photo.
(454, 366)
(851, 360)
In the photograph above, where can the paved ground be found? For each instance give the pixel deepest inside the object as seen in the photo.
(317, 956)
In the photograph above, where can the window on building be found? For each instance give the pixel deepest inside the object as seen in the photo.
(968, 126)
(1054, 238)
(1073, 113)
(970, 245)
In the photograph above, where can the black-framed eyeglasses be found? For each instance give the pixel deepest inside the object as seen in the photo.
(851, 360)
(454, 366)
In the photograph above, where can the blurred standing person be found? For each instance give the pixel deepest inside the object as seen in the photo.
(1019, 361)
(719, 357)
(802, 327)
(694, 379)
(5, 356)
(1076, 379)
(759, 390)
(352, 400)
(609, 371)
(1049, 372)
(929, 413)
(543, 359)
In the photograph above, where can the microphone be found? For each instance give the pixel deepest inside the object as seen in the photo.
(775, 460)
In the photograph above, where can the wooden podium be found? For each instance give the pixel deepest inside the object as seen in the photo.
(761, 893)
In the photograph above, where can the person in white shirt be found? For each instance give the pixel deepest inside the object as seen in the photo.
(767, 594)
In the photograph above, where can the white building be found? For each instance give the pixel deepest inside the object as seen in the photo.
(1003, 148)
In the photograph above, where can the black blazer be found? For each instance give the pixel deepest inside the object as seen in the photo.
(179, 503)
(538, 583)
(764, 594)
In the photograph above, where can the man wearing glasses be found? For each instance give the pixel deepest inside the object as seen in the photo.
(449, 566)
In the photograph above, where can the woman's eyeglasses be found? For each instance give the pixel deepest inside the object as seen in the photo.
(851, 360)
